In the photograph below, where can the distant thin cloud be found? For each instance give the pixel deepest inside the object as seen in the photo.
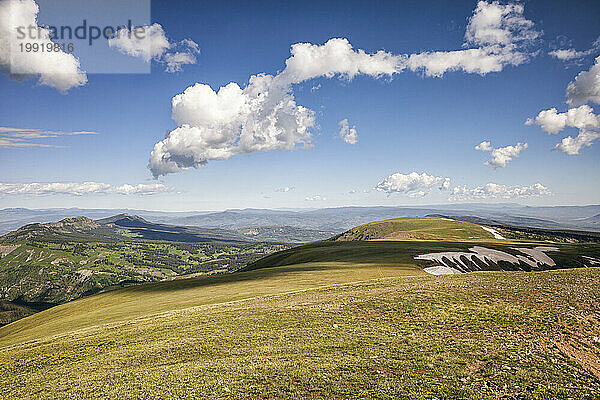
(349, 135)
(413, 184)
(22, 137)
(315, 198)
(285, 189)
(81, 189)
(497, 191)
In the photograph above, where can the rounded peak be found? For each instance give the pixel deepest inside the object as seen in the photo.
(74, 220)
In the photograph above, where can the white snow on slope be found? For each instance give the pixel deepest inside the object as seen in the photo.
(477, 255)
(441, 270)
(493, 232)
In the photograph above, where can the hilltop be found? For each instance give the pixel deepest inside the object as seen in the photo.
(426, 228)
(118, 228)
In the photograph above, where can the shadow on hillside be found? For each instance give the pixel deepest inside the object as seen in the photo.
(211, 280)
(307, 258)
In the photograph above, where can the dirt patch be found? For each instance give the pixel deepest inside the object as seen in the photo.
(6, 250)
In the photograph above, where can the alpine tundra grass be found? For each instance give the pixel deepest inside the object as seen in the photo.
(513, 335)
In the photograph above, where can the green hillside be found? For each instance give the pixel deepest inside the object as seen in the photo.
(333, 319)
(141, 301)
(39, 271)
(404, 253)
(307, 266)
(481, 335)
(56, 262)
(417, 228)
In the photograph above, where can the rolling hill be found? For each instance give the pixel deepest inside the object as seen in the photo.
(334, 319)
(427, 228)
(445, 246)
(328, 219)
(44, 264)
(52, 263)
(385, 248)
(354, 316)
(593, 220)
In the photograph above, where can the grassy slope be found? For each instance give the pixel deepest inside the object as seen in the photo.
(10, 312)
(292, 330)
(149, 299)
(481, 335)
(418, 228)
(307, 266)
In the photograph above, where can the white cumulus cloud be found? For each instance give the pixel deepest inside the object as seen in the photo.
(484, 146)
(584, 89)
(263, 115)
(586, 86)
(583, 118)
(349, 135)
(56, 69)
(501, 156)
(553, 122)
(285, 189)
(413, 184)
(572, 54)
(218, 125)
(497, 191)
(80, 189)
(497, 35)
(573, 145)
(151, 43)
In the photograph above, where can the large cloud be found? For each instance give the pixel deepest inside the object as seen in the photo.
(553, 122)
(264, 116)
(57, 69)
(80, 189)
(413, 184)
(217, 125)
(497, 191)
(501, 156)
(337, 57)
(154, 45)
(573, 145)
(316, 197)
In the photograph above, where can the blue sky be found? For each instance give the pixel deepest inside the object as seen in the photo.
(406, 122)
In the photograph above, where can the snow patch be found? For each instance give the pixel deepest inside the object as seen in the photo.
(477, 255)
(441, 270)
(592, 260)
(493, 232)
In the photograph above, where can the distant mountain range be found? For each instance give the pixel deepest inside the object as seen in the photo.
(593, 220)
(133, 227)
(330, 220)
